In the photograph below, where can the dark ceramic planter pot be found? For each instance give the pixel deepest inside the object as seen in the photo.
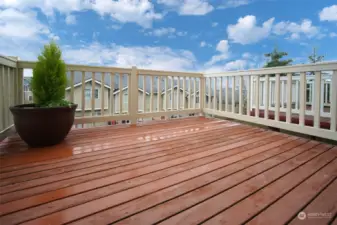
(41, 127)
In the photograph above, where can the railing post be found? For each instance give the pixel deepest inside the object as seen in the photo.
(133, 107)
(333, 101)
(20, 86)
(202, 96)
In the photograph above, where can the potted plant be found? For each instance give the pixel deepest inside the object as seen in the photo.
(48, 121)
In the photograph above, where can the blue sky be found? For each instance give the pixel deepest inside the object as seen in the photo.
(187, 35)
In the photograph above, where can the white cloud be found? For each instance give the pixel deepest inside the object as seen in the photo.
(189, 7)
(246, 30)
(166, 31)
(17, 24)
(333, 34)
(328, 13)
(125, 11)
(239, 64)
(70, 19)
(223, 48)
(296, 30)
(215, 24)
(163, 58)
(234, 3)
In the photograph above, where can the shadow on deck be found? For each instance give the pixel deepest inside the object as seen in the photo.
(184, 171)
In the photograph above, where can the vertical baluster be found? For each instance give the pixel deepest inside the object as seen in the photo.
(178, 93)
(184, 92)
(144, 94)
(333, 101)
(190, 93)
(93, 85)
(220, 95)
(172, 93)
(303, 86)
(121, 94)
(215, 97)
(83, 96)
(266, 97)
(248, 95)
(159, 95)
(11, 93)
(166, 96)
(129, 108)
(102, 94)
(240, 94)
(195, 92)
(151, 96)
(209, 93)
(112, 96)
(226, 96)
(290, 98)
(277, 97)
(233, 94)
(282, 93)
(2, 98)
(202, 93)
(133, 93)
(257, 97)
(296, 94)
(20, 86)
(317, 103)
(72, 86)
(5, 99)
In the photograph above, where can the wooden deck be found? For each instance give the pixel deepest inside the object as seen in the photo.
(186, 171)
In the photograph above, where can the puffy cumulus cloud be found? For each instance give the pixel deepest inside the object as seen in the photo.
(295, 30)
(223, 49)
(21, 25)
(246, 30)
(188, 7)
(328, 13)
(162, 58)
(125, 11)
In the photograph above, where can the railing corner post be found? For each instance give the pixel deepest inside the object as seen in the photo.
(134, 96)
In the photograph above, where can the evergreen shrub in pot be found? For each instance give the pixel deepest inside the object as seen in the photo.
(49, 119)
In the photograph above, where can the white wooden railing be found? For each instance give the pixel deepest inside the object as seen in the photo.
(10, 92)
(269, 91)
(134, 95)
(115, 101)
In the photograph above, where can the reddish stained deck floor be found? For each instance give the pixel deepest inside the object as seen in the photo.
(186, 171)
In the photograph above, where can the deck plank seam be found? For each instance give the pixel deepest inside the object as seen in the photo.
(236, 133)
(274, 182)
(6, 193)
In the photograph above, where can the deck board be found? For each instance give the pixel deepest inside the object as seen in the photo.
(183, 171)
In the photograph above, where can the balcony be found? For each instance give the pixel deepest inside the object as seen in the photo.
(146, 148)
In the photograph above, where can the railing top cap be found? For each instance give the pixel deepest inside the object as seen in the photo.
(332, 65)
